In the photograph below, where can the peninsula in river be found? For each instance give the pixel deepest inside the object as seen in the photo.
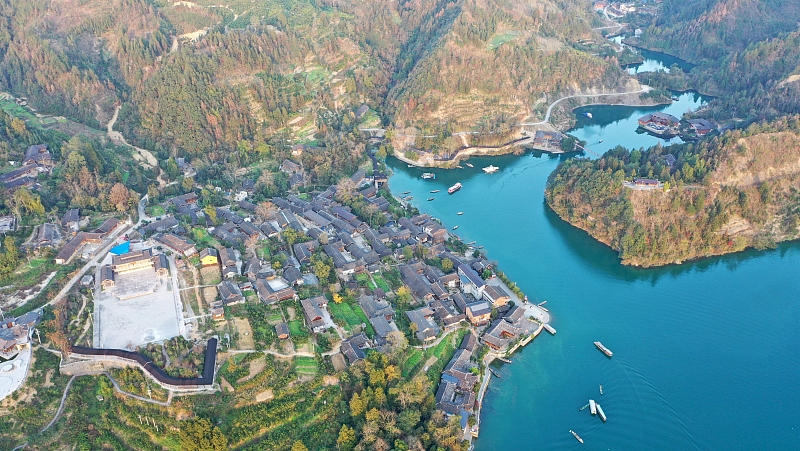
(669, 205)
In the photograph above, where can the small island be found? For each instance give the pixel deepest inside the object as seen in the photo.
(671, 204)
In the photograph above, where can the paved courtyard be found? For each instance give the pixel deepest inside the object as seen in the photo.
(146, 313)
(12, 373)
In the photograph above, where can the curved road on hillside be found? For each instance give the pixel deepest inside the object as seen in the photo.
(644, 89)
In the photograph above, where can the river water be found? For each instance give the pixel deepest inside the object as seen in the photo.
(705, 353)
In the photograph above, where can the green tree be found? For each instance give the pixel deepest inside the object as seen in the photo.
(201, 435)
(447, 265)
(347, 438)
(298, 446)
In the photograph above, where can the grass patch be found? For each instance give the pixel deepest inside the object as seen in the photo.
(297, 329)
(203, 239)
(381, 283)
(501, 38)
(155, 210)
(345, 311)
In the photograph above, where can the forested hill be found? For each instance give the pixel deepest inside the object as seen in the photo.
(199, 78)
(722, 195)
(747, 53)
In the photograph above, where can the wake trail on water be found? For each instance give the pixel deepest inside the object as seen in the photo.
(663, 414)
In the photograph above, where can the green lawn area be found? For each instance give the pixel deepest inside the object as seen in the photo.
(305, 365)
(364, 281)
(381, 282)
(263, 253)
(275, 316)
(12, 109)
(202, 238)
(297, 329)
(155, 210)
(501, 38)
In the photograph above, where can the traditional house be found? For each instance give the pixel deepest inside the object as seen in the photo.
(548, 140)
(314, 311)
(229, 259)
(38, 155)
(76, 243)
(106, 277)
(471, 282)
(446, 313)
(176, 243)
(422, 318)
(293, 276)
(275, 290)
(282, 331)
(478, 313)
(290, 167)
(184, 200)
(353, 348)
(496, 296)
(230, 293)
(209, 256)
(645, 182)
(71, 220)
(161, 225)
(701, 126)
(107, 226)
(500, 334)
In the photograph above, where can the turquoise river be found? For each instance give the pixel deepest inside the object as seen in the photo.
(705, 353)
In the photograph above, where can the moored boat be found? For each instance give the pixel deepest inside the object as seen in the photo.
(577, 437)
(603, 349)
(583, 408)
(454, 188)
(592, 407)
(431, 198)
(429, 175)
(600, 413)
(550, 329)
(490, 169)
(405, 192)
(469, 164)
(434, 191)
(460, 213)
(588, 114)
(455, 227)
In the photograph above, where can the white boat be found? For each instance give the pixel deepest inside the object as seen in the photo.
(455, 227)
(434, 190)
(454, 188)
(468, 164)
(587, 114)
(429, 175)
(600, 413)
(460, 213)
(603, 349)
(601, 389)
(550, 329)
(593, 407)
(490, 169)
(577, 437)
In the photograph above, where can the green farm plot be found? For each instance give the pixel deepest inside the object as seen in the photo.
(203, 239)
(501, 38)
(305, 366)
(345, 312)
(381, 282)
(364, 281)
(275, 316)
(12, 109)
(414, 359)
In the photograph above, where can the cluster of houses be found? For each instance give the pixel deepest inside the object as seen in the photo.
(664, 124)
(16, 333)
(38, 160)
(79, 239)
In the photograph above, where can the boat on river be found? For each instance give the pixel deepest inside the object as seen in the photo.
(588, 114)
(550, 329)
(577, 437)
(601, 389)
(460, 213)
(603, 349)
(583, 408)
(469, 164)
(600, 413)
(431, 198)
(405, 192)
(407, 198)
(455, 227)
(428, 176)
(454, 188)
(434, 191)
(592, 407)
(491, 169)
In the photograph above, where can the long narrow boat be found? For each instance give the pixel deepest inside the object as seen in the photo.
(601, 389)
(550, 329)
(577, 437)
(583, 408)
(600, 413)
(592, 407)
(469, 164)
(603, 349)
